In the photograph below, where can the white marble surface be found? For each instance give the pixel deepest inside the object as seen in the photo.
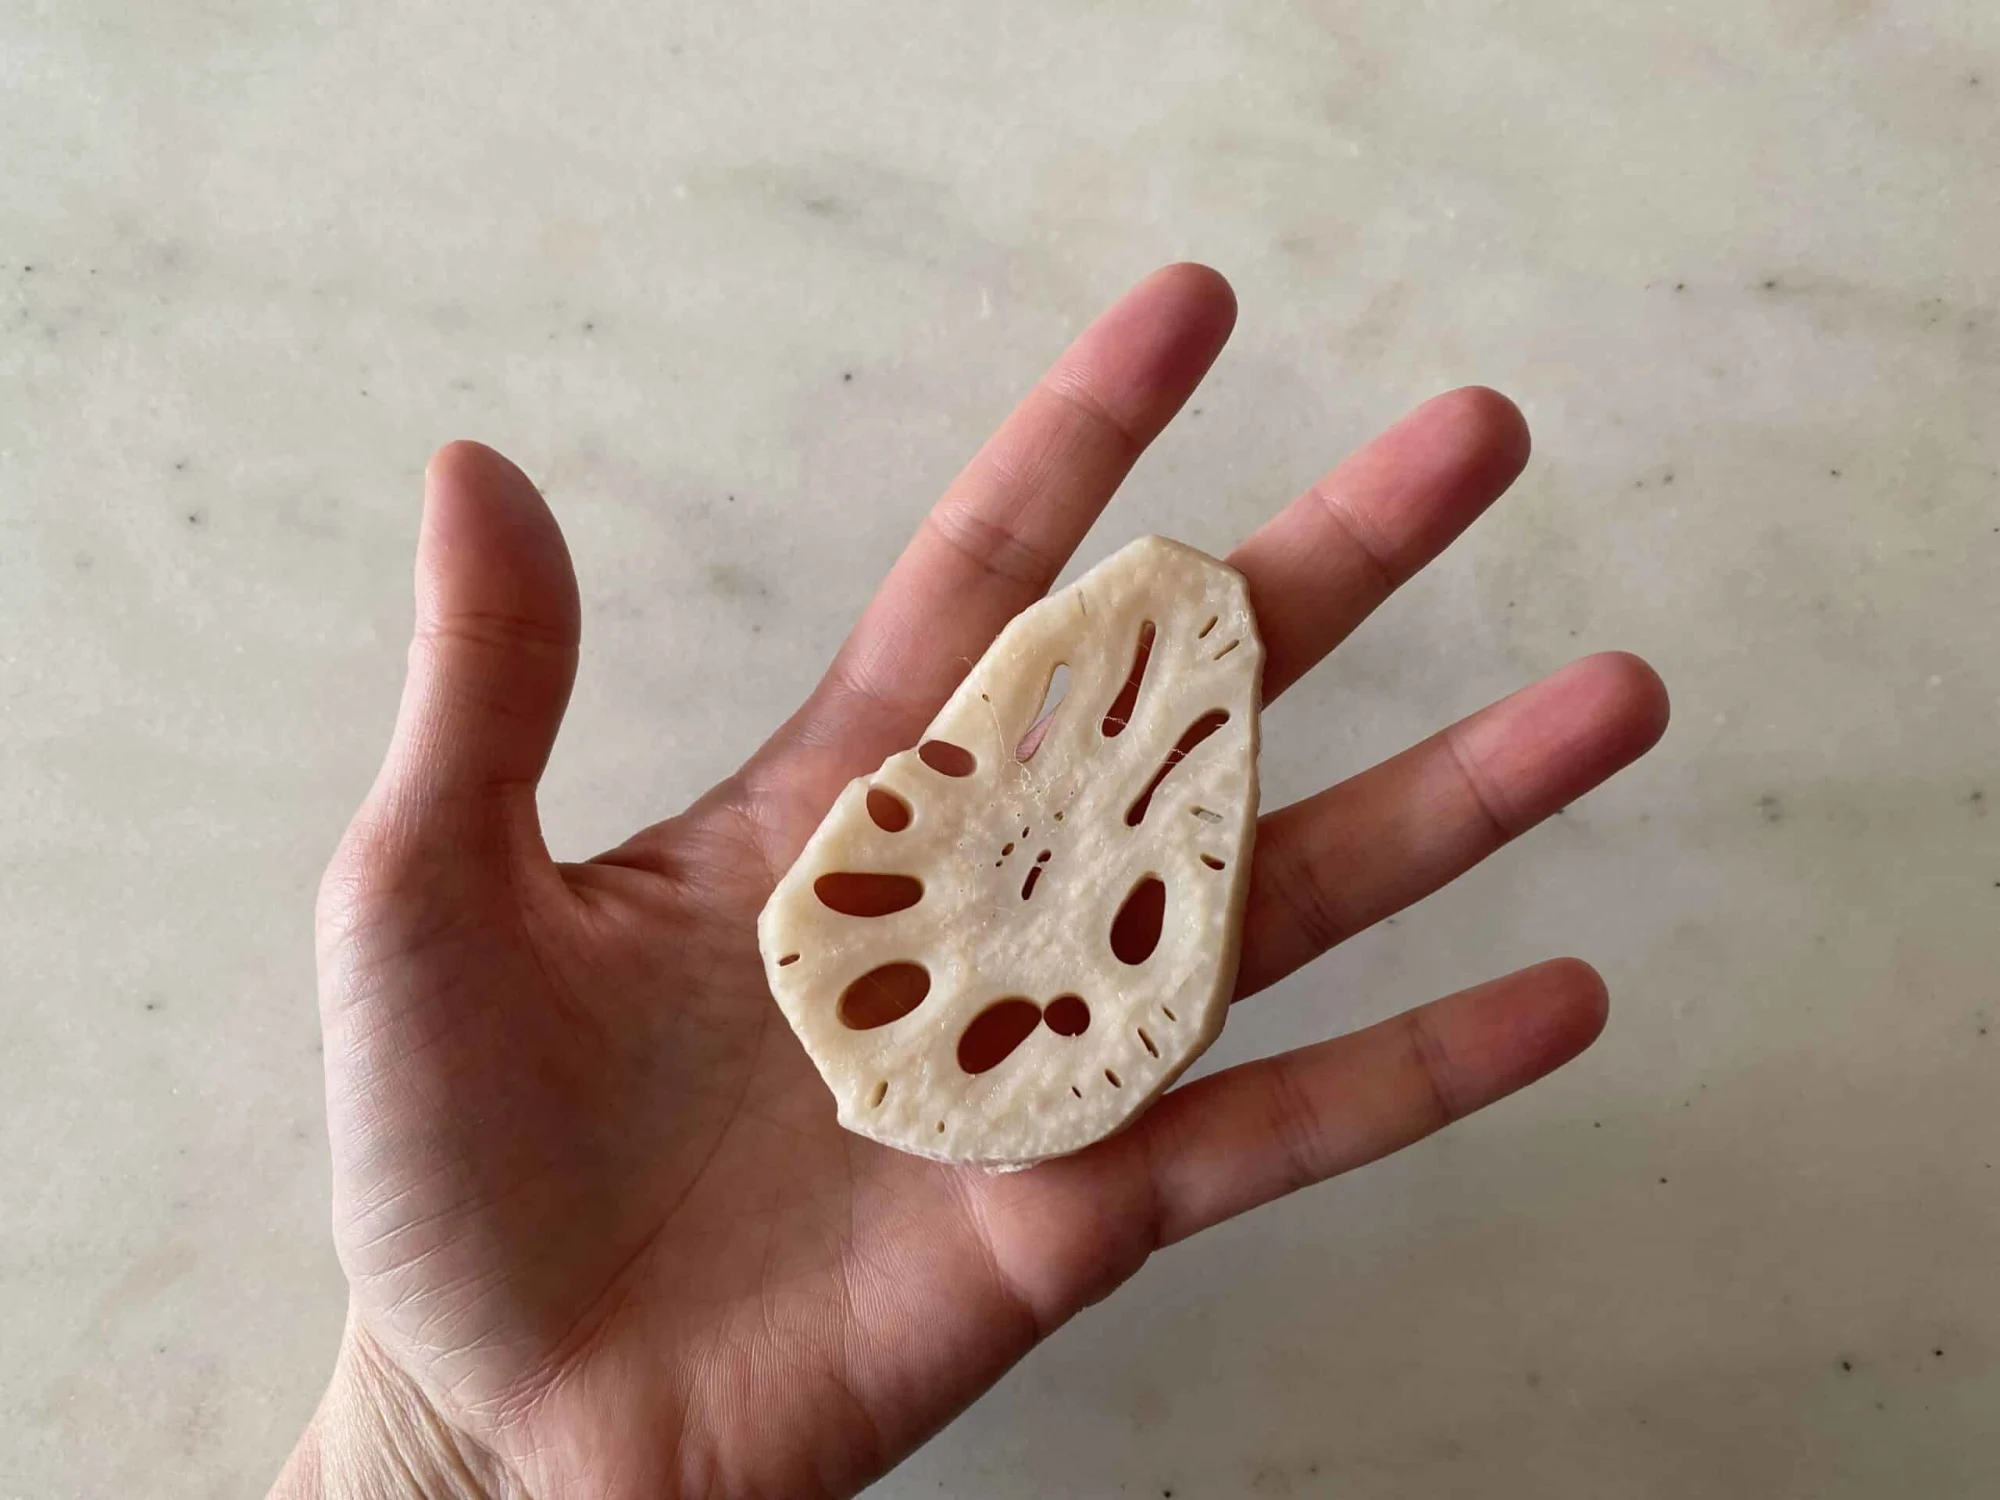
(1737, 263)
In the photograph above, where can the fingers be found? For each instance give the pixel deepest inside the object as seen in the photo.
(1005, 527)
(1322, 565)
(495, 647)
(1240, 1138)
(1329, 866)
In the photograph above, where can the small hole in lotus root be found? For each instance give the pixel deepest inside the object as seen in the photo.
(1068, 1015)
(867, 893)
(1119, 714)
(1135, 931)
(1113, 1079)
(1205, 815)
(1202, 634)
(880, 1093)
(890, 812)
(1147, 1042)
(882, 995)
(1226, 650)
(1028, 885)
(1213, 863)
(995, 1032)
(788, 960)
(947, 759)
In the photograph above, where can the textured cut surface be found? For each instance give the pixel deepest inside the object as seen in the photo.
(1009, 940)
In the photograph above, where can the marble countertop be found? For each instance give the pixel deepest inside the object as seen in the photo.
(742, 285)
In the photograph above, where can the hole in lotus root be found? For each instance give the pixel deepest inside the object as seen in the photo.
(890, 812)
(1038, 730)
(1196, 732)
(1068, 1015)
(882, 995)
(867, 893)
(1135, 931)
(995, 1032)
(947, 759)
(1120, 713)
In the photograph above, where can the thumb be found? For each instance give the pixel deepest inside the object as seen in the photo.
(494, 653)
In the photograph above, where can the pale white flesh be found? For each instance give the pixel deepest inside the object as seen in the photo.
(1066, 810)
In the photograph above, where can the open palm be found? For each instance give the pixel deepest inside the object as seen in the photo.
(603, 1235)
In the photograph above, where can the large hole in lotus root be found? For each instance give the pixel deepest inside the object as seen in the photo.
(1135, 931)
(1198, 731)
(866, 893)
(882, 995)
(947, 759)
(995, 1032)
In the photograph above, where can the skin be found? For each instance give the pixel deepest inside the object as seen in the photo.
(602, 1235)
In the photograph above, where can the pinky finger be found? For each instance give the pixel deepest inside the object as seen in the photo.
(1241, 1138)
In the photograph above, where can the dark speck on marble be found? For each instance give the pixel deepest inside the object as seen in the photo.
(846, 375)
(194, 518)
(1847, 1366)
(1680, 286)
(1834, 472)
(1770, 808)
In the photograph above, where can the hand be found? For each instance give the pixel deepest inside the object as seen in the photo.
(602, 1234)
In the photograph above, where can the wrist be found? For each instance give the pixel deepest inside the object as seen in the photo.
(376, 1436)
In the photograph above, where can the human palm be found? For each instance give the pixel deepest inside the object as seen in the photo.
(602, 1233)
